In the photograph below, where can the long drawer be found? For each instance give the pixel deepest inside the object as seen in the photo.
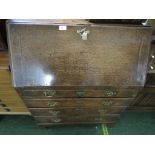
(107, 92)
(77, 102)
(75, 111)
(90, 118)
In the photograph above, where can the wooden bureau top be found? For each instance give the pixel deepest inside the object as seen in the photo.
(46, 55)
(50, 21)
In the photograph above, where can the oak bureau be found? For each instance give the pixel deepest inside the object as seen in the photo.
(75, 71)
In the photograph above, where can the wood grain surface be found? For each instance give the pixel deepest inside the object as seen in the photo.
(43, 55)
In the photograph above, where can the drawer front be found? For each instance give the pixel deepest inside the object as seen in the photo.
(75, 111)
(80, 93)
(49, 119)
(82, 102)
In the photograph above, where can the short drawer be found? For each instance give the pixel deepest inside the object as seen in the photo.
(94, 118)
(77, 102)
(75, 111)
(108, 92)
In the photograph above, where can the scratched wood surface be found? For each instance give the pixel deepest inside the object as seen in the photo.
(42, 55)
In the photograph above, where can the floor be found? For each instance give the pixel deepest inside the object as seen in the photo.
(131, 123)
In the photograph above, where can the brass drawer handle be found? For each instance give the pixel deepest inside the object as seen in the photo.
(107, 102)
(56, 120)
(50, 93)
(80, 94)
(52, 104)
(109, 93)
(54, 112)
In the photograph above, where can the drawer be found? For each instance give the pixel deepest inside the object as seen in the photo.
(77, 102)
(75, 111)
(108, 92)
(94, 118)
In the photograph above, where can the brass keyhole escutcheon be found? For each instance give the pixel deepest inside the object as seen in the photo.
(83, 33)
